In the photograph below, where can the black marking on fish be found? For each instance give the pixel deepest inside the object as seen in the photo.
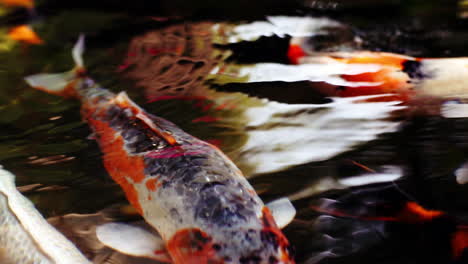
(203, 181)
(138, 136)
(250, 260)
(413, 69)
(272, 260)
(219, 206)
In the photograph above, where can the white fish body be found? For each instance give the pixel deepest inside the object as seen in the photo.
(25, 236)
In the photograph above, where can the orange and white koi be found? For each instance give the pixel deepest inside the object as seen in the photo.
(403, 76)
(195, 197)
(25, 236)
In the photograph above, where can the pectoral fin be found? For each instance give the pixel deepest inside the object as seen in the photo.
(454, 110)
(462, 174)
(282, 211)
(133, 240)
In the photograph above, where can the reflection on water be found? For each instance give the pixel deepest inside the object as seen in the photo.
(282, 135)
(374, 178)
(280, 26)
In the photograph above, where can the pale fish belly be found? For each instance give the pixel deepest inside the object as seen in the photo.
(16, 245)
(25, 236)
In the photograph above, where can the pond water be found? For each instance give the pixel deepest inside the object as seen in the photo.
(201, 65)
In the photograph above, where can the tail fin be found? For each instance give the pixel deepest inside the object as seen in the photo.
(62, 84)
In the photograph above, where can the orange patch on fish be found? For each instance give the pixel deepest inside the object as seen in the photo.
(415, 213)
(124, 102)
(25, 34)
(124, 168)
(20, 3)
(459, 242)
(192, 246)
(386, 59)
(152, 184)
(411, 213)
(269, 226)
(68, 92)
(295, 53)
(387, 80)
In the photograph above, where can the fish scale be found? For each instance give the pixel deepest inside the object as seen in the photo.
(26, 237)
(15, 238)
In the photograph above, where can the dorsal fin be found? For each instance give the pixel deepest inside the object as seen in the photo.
(123, 100)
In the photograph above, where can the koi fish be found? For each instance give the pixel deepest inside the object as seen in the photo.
(196, 198)
(24, 33)
(406, 77)
(410, 213)
(21, 3)
(25, 236)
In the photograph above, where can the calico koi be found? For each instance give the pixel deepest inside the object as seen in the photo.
(195, 197)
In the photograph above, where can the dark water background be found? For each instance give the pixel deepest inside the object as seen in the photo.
(43, 140)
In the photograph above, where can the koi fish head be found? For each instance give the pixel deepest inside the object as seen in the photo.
(266, 245)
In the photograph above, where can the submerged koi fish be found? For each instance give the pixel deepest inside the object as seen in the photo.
(406, 77)
(20, 3)
(24, 33)
(188, 190)
(411, 213)
(25, 236)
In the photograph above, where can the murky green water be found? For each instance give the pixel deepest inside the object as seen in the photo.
(43, 139)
